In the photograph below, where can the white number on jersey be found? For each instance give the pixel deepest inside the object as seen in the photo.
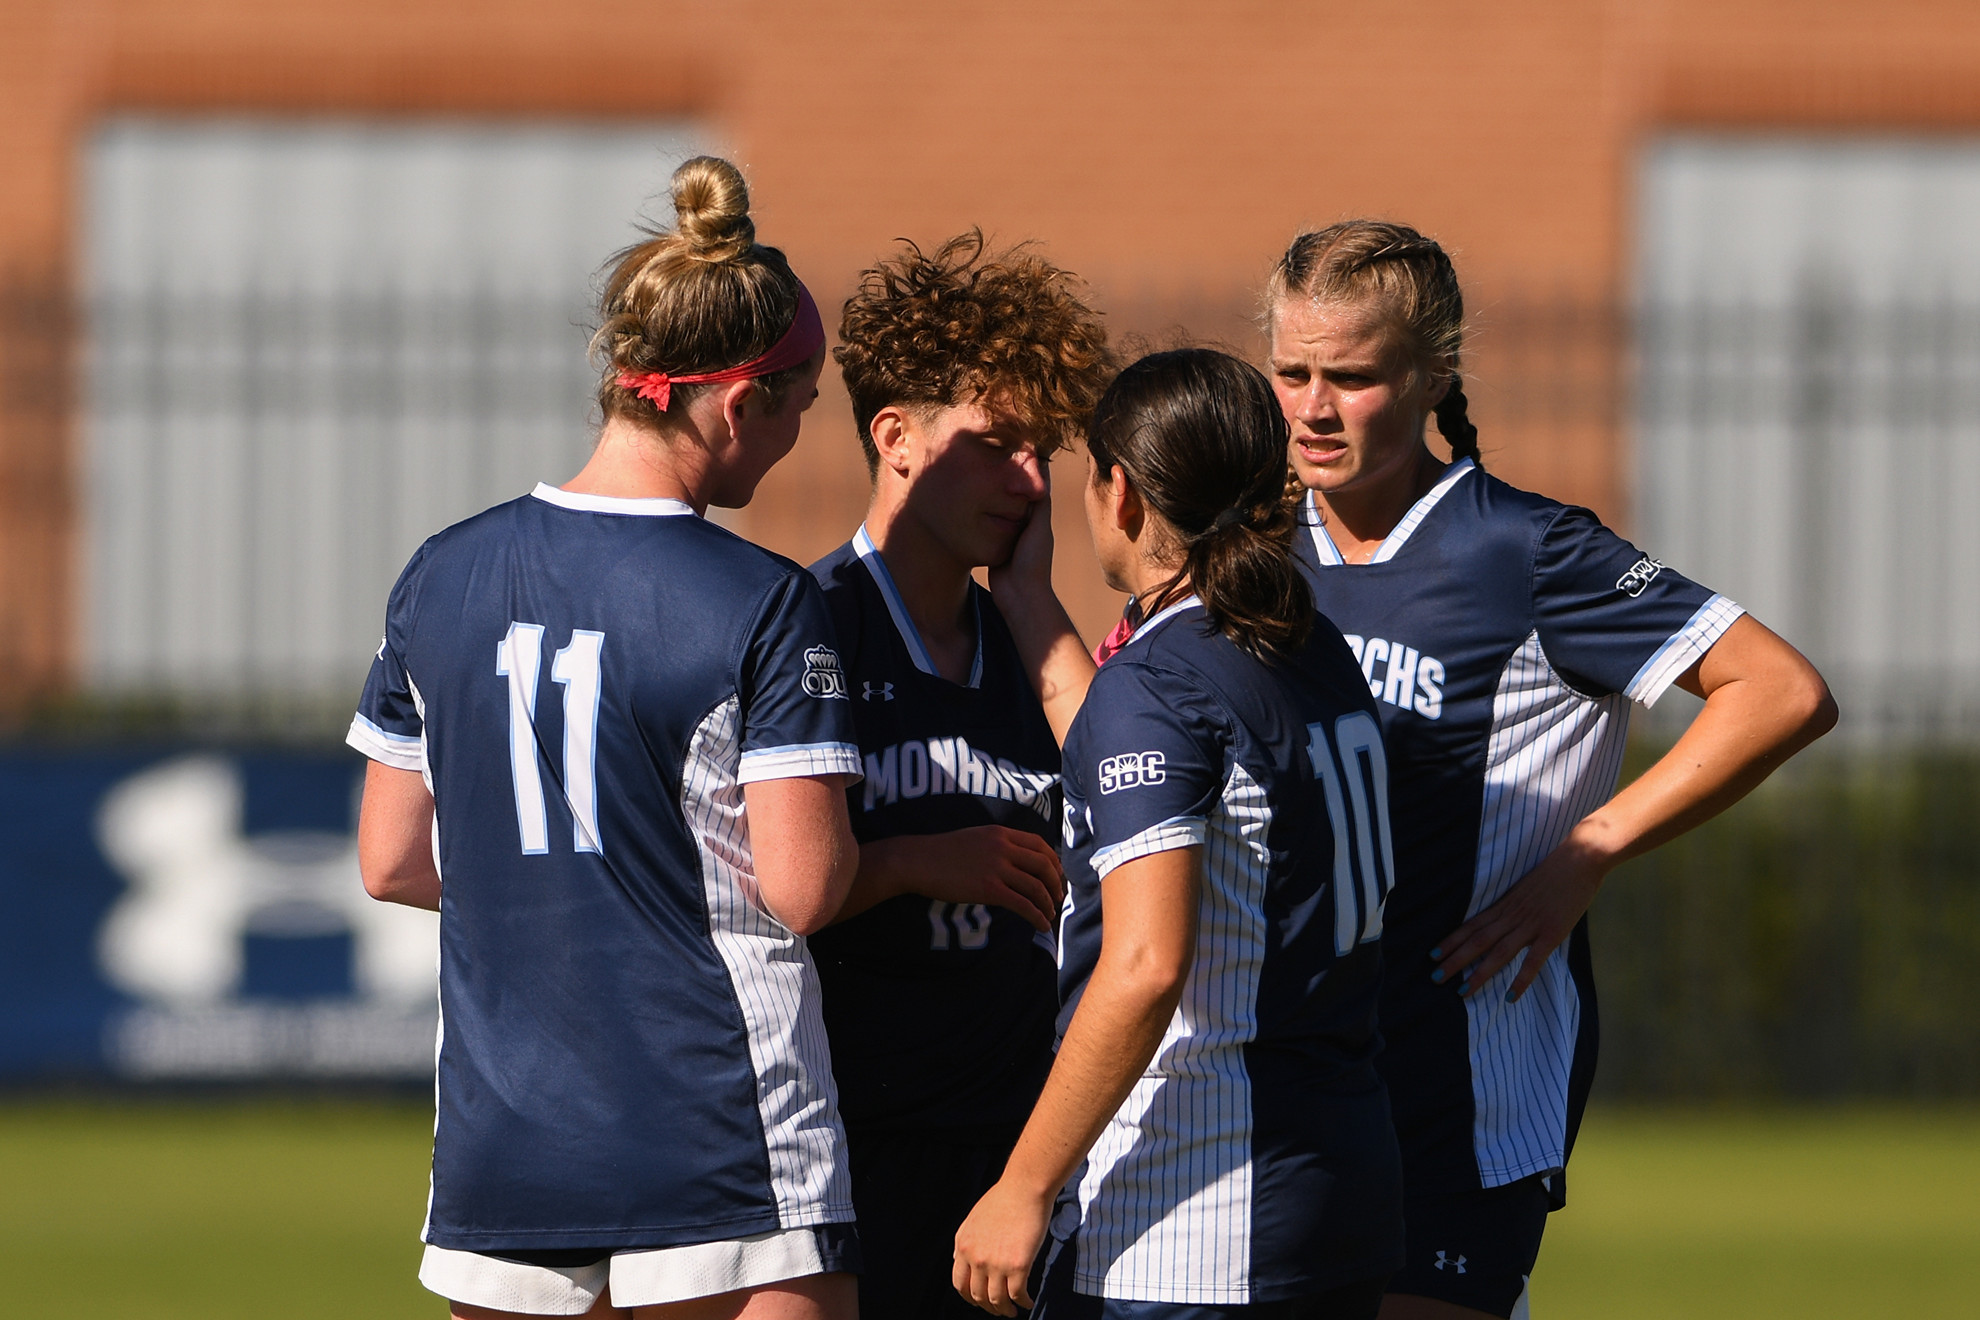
(971, 920)
(1360, 817)
(519, 659)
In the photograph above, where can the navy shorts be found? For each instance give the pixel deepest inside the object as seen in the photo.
(1052, 1290)
(1476, 1248)
(911, 1192)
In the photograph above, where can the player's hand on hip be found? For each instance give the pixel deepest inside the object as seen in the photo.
(995, 865)
(995, 1248)
(1535, 916)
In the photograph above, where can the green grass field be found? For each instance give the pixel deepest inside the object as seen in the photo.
(177, 1211)
(1852, 1213)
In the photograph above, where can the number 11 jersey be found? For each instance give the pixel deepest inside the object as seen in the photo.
(631, 1049)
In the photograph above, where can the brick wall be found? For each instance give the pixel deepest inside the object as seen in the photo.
(1165, 150)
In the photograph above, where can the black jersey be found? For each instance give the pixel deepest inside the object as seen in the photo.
(1504, 636)
(940, 1014)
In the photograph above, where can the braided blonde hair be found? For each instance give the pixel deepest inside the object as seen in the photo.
(1409, 279)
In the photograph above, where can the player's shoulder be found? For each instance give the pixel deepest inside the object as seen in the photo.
(1527, 515)
(1498, 510)
(1174, 663)
(839, 572)
(843, 579)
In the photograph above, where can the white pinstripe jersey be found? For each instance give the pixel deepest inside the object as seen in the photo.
(632, 1053)
(1504, 636)
(1253, 1161)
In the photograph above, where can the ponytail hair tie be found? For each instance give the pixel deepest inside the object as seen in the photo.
(1228, 519)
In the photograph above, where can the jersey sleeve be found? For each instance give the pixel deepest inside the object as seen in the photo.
(390, 724)
(796, 712)
(1152, 759)
(1611, 618)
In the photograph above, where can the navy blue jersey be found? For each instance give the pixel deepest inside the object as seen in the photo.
(1254, 1160)
(1504, 635)
(631, 1051)
(940, 1014)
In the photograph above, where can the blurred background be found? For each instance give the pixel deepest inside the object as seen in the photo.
(285, 287)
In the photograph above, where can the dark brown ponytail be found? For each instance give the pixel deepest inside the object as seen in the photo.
(1200, 436)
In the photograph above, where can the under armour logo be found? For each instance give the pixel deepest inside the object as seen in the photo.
(885, 691)
(1443, 1260)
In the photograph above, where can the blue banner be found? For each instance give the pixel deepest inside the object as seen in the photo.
(192, 914)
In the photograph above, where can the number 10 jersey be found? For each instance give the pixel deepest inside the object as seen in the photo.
(631, 1049)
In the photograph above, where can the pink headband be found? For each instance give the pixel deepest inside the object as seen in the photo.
(805, 337)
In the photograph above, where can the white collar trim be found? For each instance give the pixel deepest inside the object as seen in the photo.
(660, 507)
(1148, 626)
(1330, 554)
(869, 555)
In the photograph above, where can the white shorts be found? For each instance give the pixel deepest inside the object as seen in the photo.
(639, 1278)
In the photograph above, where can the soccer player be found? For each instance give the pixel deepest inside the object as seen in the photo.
(1227, 849)
(1504, 636)
(966, 371)
(610, 742)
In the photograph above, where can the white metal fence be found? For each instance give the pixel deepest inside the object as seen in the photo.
(308, 347)
(1808, 407)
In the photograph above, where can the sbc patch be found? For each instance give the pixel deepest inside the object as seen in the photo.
(823, 676)
(1132, 770)
(1639, 576)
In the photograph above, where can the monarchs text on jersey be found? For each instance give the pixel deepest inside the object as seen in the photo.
(1503, 636)
(631, 1051)
(940, 1013)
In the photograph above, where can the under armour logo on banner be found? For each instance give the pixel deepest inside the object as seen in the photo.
(1443, 1260)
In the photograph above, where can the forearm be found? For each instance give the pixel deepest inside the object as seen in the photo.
(412, 886)
(887, 868)
(1113, 1035)
(395, 838)
(803, 847)
(1055, 657)
(1745, 732)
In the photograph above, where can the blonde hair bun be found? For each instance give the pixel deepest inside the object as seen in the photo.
(711, 209)
(699, 297)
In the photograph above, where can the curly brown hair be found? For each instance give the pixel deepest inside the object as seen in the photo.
(964, 324)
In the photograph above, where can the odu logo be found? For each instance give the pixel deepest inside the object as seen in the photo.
(1640, 573)
(823, 677)
(1132, 770)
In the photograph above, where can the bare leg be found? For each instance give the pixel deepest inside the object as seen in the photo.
(1405, 1306)
(813, 1297)
(603, 1310)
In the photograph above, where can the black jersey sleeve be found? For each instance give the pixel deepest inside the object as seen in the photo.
(796, 715)
(389, 724)
(1612, 619)
(1153, 751)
